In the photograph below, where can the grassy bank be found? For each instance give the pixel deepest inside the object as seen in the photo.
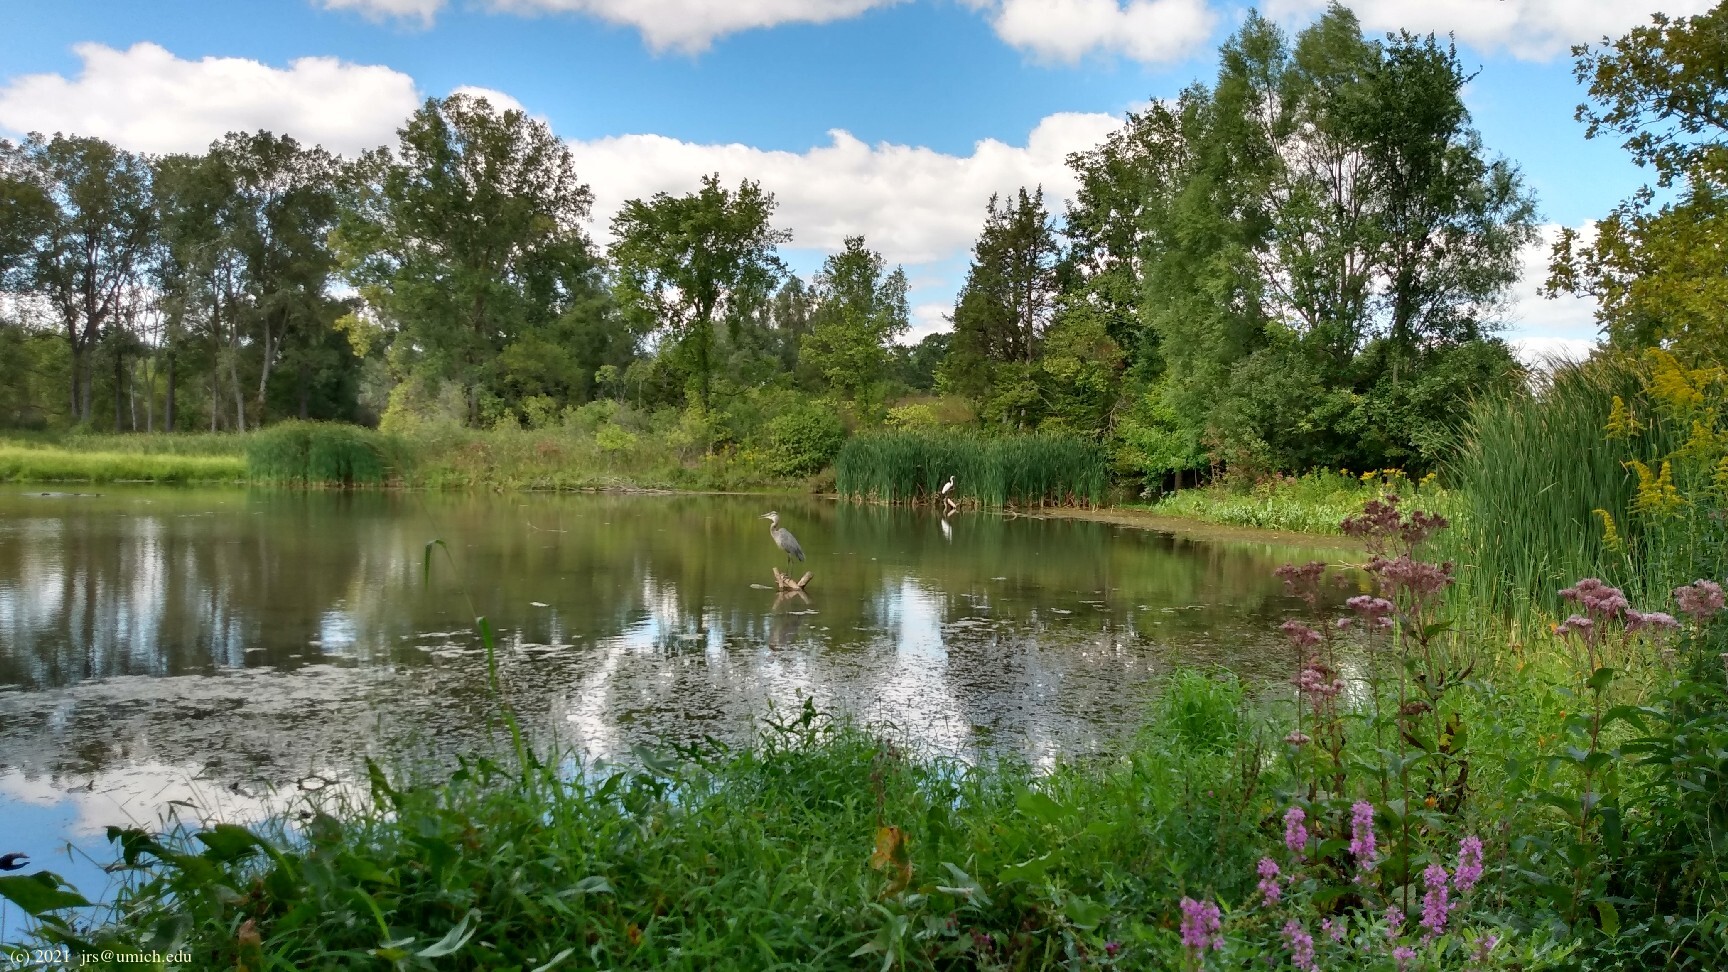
(1314, 502)
(105, 464)
(298, 453)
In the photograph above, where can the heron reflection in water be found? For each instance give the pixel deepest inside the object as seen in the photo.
(783, 537)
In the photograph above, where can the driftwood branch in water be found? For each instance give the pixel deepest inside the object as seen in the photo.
(788, 584)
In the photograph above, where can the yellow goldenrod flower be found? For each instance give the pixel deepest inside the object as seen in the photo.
(1610, 535)
(1621, 425)
(1656, 493)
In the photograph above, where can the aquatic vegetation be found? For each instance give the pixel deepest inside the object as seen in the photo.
(910, 466)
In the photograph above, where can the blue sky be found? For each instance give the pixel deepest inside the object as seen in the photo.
(894, 119)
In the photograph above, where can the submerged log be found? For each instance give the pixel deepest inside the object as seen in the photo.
(788, 584)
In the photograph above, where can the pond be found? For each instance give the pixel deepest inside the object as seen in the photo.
(225, 649)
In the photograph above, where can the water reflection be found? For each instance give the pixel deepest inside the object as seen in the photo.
(249, 638)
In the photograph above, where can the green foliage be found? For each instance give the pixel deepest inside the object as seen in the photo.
(858, 313)
(1021, 470)
(1613, 469)
(320, 454)
(1657, 270)
(466, 243)
(1315, 502)
(688, 264)
(804, 440)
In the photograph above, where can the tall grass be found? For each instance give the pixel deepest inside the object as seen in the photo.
(21, 464)
(1548, 491)
(993, 472)
(320, 453)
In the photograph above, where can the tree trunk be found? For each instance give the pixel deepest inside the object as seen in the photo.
(168, 398)
(305, 380)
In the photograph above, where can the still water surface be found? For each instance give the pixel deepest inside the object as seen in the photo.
(215, 647)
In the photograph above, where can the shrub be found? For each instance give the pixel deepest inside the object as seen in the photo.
(804, 440)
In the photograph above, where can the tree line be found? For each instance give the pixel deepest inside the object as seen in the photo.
(1303, 263)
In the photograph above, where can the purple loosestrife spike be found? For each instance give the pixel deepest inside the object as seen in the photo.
(1269, 880)
(1202, 926)
(1333, 929)
(1301, 946)
(1435, 904)
(1362, 844)
(1402, 955)
(1469, 863)
(1394, 922)
(1295, 834)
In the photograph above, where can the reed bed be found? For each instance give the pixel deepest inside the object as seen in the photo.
(991, 472)
(321, 454)
(1548, 491)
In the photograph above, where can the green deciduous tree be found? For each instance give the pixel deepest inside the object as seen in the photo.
(468, 239)
(1658, 263)
(688, 264)
(859, 311)
(87, 258)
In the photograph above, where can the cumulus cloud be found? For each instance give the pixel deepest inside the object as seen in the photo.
(146, 99)
(424, 11)
(492, 96)
(1153, 31)
(691, 25)
(1540, 327)
(914, 204)
(1535, 30)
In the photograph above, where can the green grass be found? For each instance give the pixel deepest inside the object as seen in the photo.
(1315, 502)
(993, 472)
(1534, 470)
(27, 464)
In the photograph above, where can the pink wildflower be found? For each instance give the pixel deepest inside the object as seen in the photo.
(1295, 834)
(1435, 904)
(1394, 922)
(1269, 880)
(1362, 844)
(1469, 863)
(1301, 946)
(1333, 929)
(1202, 926)
(1402, 955)
(1700, 599)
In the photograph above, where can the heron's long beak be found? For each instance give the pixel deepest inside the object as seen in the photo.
(766, 516)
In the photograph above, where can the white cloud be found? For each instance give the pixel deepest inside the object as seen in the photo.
(1540, 327)
(691, 25)
(914, 204)
(1535, 30)
(1152, 31)
(497, 99)
(146, 99)
(381, 10)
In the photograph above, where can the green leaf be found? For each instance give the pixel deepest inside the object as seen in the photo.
(39, 893)
(1040, 806)
(454, 939)
(227, 842)
(1600, 679)
(1610, 917)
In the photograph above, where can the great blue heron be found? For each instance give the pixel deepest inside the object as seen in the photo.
(783, 537)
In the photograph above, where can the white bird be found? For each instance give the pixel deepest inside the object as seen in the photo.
(947, 486)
